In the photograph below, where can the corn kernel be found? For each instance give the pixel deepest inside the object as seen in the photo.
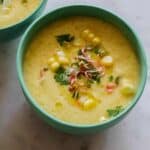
(77, 42)
(54, 66)
(82, 100)
(63, 60)
(88, 104)
(96, 41)
(6, 10)
(60, 53)
(58, 105)
(85, 33)
(107, 61)
(103, 118)
(127, 89)
(90, 37)
(51, 60)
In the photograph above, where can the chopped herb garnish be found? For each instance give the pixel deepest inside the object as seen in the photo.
(64, 38)
(96, 50)
(96, 77)
(75, 95)
(103, 53)
(117, 80)
(79, 52)
(114, 112)
(88, 83)
(1, 1)
(24, 1)
(82, 74)
(75, 64)
(99, 51)
(111, 78)
(62, 76)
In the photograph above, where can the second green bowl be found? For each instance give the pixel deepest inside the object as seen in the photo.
(13, 31)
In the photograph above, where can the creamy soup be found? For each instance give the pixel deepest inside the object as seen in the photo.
(81, 70)
(13, 11)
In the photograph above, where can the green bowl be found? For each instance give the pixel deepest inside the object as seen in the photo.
(84, 11)
(15, 30)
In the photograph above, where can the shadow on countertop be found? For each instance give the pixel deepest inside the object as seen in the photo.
(26, 131)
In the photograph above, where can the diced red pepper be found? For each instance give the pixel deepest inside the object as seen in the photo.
(110, 87)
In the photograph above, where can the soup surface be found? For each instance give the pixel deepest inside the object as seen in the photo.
(13, 11)
(81, 70)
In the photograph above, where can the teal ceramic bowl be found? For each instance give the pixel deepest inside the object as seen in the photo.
(84, 11)
(13, 31)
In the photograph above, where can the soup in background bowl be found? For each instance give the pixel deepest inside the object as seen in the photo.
(83, 70)
(16, 14)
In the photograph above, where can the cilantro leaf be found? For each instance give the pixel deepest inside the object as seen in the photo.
(24, 1)
(96, 50)
(100, 52)
(114, 112)
(1, 1)
(117, 80)
(75, 94)
(96, 77)
(111, 78)
(79, 52)
(64, 38)
(61, 76)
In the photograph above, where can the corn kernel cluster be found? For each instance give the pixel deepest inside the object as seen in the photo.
(90, 37)
(55, 61)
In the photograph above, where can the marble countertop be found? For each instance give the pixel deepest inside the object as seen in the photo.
(21, 129)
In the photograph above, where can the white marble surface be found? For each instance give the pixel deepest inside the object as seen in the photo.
(21, 129)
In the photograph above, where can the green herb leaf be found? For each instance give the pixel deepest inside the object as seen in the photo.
(96, 76)
(75, 95)
(88, 83)
(117, 80)
(100, 52)
(79, 52)
(96, 50)
(111, 78)
(24, 1)
(114, 112)
(62, 76)
(64, 38)
(1, 1)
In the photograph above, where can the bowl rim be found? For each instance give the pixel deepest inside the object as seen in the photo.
(24, 19)
(47, 116)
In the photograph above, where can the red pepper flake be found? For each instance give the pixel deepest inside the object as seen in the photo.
(72, 78)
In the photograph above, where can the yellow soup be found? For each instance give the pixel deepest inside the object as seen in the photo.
(81, 70)
(13, 11)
